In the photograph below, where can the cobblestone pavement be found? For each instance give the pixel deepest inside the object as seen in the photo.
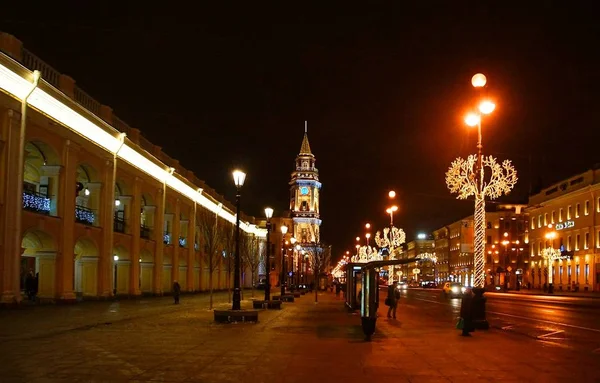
(303, 342)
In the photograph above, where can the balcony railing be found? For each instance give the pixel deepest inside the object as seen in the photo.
(167, 238)
(36, 202)
(119, 225)
(84, 215)
(145, 231)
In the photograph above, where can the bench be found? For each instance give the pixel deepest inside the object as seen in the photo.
(233, 316)
(287, 298)
(266, 304)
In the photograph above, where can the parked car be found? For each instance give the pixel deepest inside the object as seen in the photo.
(453, 290)
(429, 285)
(402, 286)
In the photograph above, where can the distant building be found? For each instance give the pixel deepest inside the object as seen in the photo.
(571, 209)
(423, 271)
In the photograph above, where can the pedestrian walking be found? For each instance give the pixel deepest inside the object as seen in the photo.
(176, 292)
(392, 299)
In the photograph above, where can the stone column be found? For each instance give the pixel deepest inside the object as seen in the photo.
(191, 236)
(66, 207)
(159, 219)
(106, 209)
(176, 233)
(136, 208)
(11, 232)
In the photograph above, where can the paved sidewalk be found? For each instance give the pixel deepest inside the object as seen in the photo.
(305, 342)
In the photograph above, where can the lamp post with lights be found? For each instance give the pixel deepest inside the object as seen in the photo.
(467, 178)
(238, 179)
(115, 259)
(284, 230)
(269, 215)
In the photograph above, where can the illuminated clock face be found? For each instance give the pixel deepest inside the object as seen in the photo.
(304, 190)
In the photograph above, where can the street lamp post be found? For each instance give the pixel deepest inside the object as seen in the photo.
(298, 265)
(238, 178)
(291, 278)
(284, 230)
(268, 214)
(466, 178)
(116, 259)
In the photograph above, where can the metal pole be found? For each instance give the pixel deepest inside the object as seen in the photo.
(282, 282)
(268, 264)
(237, 297)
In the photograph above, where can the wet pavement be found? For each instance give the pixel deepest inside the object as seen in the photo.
(303, 342)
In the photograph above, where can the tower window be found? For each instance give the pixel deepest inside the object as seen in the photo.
(304, 206)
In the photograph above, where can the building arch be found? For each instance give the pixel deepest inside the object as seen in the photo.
(86, 267)
(41, 170)
(38, 258)
(146, 263)
(121, 270)
(88, 193)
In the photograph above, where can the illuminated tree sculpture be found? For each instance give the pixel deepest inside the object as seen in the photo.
(391, 240)
(551, 254)
(468, 178)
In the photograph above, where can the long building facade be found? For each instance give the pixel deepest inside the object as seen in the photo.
(91, 207)
(570, 211)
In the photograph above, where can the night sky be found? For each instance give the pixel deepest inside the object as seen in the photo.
(384, 91)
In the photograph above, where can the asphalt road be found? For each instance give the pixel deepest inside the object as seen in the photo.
(569, 322)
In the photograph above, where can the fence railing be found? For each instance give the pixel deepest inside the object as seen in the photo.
(36, 202)
(84, 215)
(33, 62)
(87, 101)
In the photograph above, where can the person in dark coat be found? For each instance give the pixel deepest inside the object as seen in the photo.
(466, 312)
(30, 285)
(176, 292)
(392, 298)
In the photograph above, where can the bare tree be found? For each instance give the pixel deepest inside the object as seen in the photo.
(212, 232)
(228, 257)
(319, 257)
(250, 253)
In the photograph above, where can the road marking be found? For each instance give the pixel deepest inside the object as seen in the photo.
(547, 321)
(556, 344)
(522, 317)
(509, 327)
(542, 337)
(427, 300)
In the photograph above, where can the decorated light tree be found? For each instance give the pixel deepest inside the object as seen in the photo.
(467, 178)
(392, 240)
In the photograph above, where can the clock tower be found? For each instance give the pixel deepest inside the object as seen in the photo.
(304, 195)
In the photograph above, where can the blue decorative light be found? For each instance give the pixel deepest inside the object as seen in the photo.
(84, 215)
(36, 202)
(182, 241)
(167, 238)
(196, 246)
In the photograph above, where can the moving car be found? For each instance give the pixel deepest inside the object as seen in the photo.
(453, 290)
(402, 286)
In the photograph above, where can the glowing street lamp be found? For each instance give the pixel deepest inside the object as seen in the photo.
(367, 226)
(238, 179)
(284, 230)
(367, 236)
(391, 211)
(478, 80)
(392, 194)
(466, 178)
(268, 215)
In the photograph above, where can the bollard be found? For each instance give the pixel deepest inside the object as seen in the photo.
(369, 301)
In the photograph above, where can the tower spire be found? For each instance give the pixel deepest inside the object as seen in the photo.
(305, 148)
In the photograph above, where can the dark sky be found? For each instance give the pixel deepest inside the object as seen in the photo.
(384, 91)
